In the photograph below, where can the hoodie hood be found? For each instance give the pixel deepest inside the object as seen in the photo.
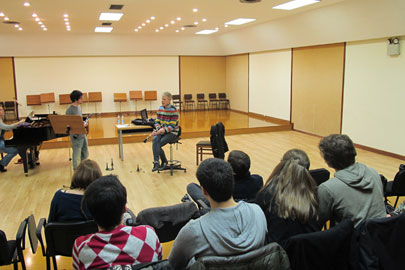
(356, 176)
(235, 229)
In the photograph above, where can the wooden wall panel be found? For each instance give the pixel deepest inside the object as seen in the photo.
(7, 88)
(202, 74)
(317, 88)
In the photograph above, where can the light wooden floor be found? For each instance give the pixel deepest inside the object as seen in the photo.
(21, 196)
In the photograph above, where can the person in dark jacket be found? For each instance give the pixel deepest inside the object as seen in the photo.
(289, 199)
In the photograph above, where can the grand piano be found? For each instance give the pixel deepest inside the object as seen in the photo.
(28, 139)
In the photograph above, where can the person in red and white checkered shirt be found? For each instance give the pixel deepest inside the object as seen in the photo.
(114, 244)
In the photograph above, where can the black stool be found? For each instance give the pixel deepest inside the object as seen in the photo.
(173, 164)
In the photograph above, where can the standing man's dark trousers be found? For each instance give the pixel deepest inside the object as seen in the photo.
(158, 142)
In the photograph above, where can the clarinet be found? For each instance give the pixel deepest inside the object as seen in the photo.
(150, 135)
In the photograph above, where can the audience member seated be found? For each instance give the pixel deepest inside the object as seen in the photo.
(356, 191)
(114, 244)
(66, 204)
(230, 228)
(289, 199)
(246, 184)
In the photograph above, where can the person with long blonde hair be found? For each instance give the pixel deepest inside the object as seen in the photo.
(289, 198)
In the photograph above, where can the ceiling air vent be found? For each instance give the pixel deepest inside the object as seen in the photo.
(250, 1)
(11, 22)
(106, 24)
(189, 25)
(116, 7)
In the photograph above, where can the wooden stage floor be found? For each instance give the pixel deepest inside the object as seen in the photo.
(194, 124)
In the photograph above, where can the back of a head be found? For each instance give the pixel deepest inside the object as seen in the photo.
(240, 162)
(106, 198)
(293, 191)
(87, 171)
(216, 177)
(338, 151)
(75, 95)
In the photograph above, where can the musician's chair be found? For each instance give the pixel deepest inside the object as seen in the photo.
(173, 164)
(203, 148)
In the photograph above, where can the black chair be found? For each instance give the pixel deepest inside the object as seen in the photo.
(173, 164)
(320, 175)
(397, 186)
(213, 101)
(201, 101)
(329, 249)
(224, 103)
(177, 102)
(188, 101)
(269, 257)
(168, 220)
(380, 243)
(10, 106)
(60, 237)
(11, 251)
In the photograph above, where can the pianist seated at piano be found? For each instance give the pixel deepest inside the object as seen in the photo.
(10, 151)
(67, 204)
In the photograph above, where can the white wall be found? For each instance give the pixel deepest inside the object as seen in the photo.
(270, 83)
(109, 75)
(374, 96)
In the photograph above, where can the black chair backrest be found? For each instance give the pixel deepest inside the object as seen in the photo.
(200, 96)
(167, 220)
(175, 97)
(9, 105)
(320, 175)
(188, 97)
(179, 134)
(222, 95)
(31, 234)
(329, 249)
(212, 96)
(60, 236)
(4, 251)
(398, 187)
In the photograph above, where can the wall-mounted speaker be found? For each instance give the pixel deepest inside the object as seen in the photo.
(393, 47)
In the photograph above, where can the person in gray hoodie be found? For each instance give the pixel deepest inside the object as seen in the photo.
(230, 228)
(356, 191)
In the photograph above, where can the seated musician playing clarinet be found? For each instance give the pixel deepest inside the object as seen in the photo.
(10, 151)
(167, 129)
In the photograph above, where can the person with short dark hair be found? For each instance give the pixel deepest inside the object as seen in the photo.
(114, 244)
(246, 185)
(289, 199)
(230, 228)
(67, 204)
(79, 141)
(356, 191)
(167, 129)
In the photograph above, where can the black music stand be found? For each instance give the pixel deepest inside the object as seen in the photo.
(67, 124)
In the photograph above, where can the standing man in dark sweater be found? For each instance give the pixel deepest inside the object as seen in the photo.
(79, 141)
(167, 129)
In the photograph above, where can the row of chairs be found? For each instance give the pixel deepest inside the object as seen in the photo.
(212, 103)
(10, 107)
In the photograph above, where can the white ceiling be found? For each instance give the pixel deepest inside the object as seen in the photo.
(83, 15)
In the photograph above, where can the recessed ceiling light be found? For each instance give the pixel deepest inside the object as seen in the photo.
(68, 29)
(139, 27)
(216, 28)
(45, 29)
(103, 29)
(20, 29)
(43, 26)
(157, 30)
(148, 21)
(226, 25)
(67, 23)
(66, 19)
(166, 25)
(207, 32)
(39, 22)
(16, 25)
(204, 20)
(182, 28)
(161, 27)
(172, 22)
(26, 4)
(34, 15)
(195, 23)
(108, 16)
(240, 21)
(295, 4)
(6, 18)
(152, 18)
(1, 14)
(143, 24)
(65, 15)
(136, 30)
(178, 18)
(37, 19)
(195, 9)
(177, 31)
